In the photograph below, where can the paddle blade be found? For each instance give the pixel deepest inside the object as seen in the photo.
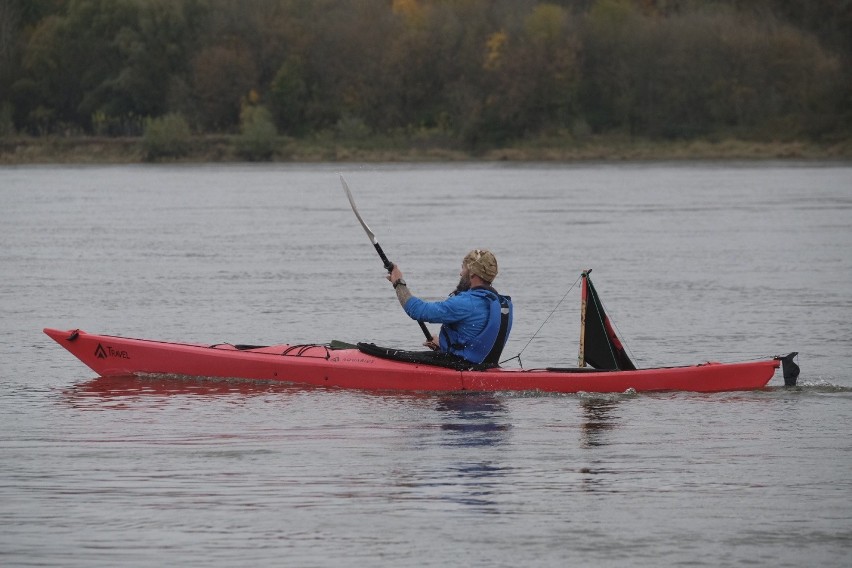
(351, 199)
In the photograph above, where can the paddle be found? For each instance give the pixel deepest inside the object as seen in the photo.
(372, 236)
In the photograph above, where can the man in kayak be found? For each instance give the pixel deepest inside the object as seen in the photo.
(476, 318)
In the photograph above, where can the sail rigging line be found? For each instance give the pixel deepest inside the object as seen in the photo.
(623, 341)
(559, 303)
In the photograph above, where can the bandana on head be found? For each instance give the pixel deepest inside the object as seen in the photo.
(482, 263)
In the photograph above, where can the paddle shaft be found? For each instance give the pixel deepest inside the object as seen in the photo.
(372, 236)
(388, 264)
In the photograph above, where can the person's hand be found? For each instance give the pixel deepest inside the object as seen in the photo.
(432, 344)
(394, 274)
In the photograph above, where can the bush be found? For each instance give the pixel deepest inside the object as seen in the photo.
(352, 129)
(258, 136)
(168, 136)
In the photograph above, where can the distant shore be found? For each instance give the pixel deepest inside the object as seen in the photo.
(221, 149)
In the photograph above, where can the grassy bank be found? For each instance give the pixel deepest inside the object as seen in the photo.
(212, 149)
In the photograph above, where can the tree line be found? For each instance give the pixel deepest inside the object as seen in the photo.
(473, 72)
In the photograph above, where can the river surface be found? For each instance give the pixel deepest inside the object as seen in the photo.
(695, 262)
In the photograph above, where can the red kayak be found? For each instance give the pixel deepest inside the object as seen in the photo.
(369, 367)
(355, 369)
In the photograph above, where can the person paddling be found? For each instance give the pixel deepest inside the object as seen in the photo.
(476, 318)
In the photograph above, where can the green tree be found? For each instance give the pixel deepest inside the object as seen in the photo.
(610, 37)
(167, 136)
(703, 71)
(533, 79)
(222, 77)
(258, 137)
(155, 52)
(288, 96)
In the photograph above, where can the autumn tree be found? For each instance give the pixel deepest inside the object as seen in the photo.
(476, 72)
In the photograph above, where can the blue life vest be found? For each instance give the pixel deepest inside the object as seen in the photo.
(487, 346)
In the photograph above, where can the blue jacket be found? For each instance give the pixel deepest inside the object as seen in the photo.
(471, 321)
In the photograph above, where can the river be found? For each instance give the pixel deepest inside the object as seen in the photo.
(694, 261)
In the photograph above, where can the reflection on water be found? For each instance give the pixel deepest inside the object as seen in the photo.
(131, 391)
(474, 423)
(598, 419)
(473, 419)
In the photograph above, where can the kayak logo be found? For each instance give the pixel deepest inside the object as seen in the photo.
(102, 353)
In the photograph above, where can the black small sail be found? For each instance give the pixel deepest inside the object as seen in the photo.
(599, 345)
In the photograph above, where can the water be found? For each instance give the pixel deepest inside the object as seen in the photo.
(694, 262)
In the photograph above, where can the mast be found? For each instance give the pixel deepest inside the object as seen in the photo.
(581, 359)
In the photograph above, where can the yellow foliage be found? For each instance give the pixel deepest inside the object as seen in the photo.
(405, 7)
(546, 22)
(494, 46)
(411, 11)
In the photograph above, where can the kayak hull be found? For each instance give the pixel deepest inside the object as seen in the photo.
(351, 369)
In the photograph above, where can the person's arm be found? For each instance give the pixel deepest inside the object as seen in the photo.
(453, 309)
(403, 294)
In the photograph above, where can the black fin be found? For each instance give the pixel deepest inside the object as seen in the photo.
(790, 369)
